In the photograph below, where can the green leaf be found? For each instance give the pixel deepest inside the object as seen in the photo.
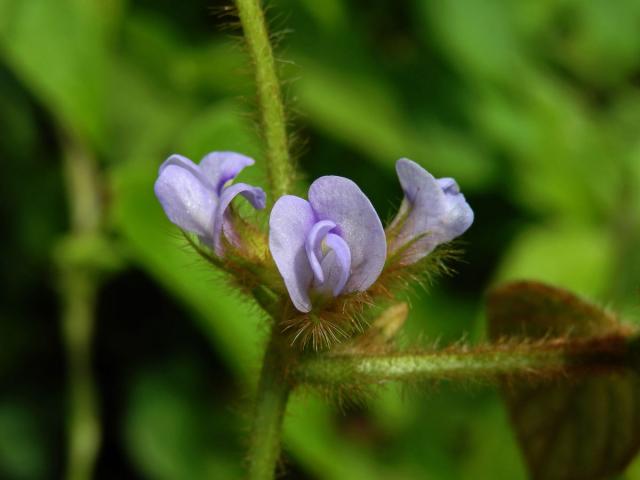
(363, 113)
(584, 429)
(461, 28)
(602, 46)
(174, 431)
(310, 434)
(23, 452)
(556, 146)
(572, 256)
(330, 14)
(158, 46)
(58, 49)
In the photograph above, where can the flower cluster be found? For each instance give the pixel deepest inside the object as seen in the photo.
(329, 245)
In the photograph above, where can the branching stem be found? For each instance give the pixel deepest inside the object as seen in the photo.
(273, 120)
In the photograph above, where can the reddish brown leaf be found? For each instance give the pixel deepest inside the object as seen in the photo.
(585, 428)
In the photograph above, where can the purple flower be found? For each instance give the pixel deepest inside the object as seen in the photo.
(330, 245)
(433, 212)
(196, 197)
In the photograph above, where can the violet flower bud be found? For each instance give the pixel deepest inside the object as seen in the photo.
(196, 197)
(330, 245)
(433, 212)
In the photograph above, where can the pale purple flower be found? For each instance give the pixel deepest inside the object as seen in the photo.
(330, 245)
(433, 212)
(196, 197)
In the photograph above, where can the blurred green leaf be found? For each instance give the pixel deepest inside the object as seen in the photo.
(310, 434)
(444, 432)
(23, 452)
(557, 147)
(173, 433)
(156, 45)
(573, 256)
(462, 28)
(485, 450)
(585, 429)
(601, 44)
(59, 50)
(362, 112)
(330, 14)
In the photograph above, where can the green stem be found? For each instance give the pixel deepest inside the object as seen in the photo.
(279, 165)
(540, 360)
(273, 391)
(83, 421)
(271, 402)
(79, 285)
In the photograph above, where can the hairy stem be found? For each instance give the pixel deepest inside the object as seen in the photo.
(78, 288)
(271, 402)
(273, 121)
(539, 360)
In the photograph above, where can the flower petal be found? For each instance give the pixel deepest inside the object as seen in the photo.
(459, 216)
(340, 200)
(336, 265)
(256, 197)
(186, 200)
(290, 222)
(433, 212)
(448, 185)
(313, 246)
(185, 163)
(220, 167)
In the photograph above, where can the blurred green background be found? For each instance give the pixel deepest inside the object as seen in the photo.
(534, 107)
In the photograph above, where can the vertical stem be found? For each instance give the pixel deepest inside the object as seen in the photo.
(273, 391)
(279, 165)
(78, 288)
(83, 422)
(271, 402)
